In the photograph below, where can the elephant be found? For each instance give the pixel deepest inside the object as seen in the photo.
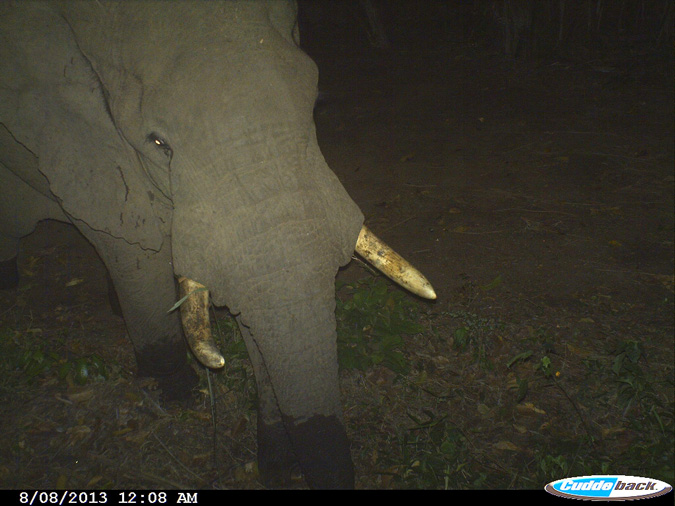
(178, 137)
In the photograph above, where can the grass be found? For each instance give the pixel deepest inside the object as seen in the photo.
(371, 322)
(542, 414)
(468, 401)
(33, 359)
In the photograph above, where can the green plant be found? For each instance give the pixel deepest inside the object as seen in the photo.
(82, 370)
(475, 333)
(35, 360)
(551, 467)
(371, 322)
(433, 454)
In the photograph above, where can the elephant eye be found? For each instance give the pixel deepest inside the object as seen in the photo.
(161, 144)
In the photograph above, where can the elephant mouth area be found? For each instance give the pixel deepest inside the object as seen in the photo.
(195, 296)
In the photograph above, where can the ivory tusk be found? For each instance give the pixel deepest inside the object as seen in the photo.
(195, 317)
(392, 264)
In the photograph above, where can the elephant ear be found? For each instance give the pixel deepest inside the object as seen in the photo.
(96, 176)
(93, 172)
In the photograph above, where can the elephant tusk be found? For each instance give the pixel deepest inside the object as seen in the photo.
(195, 317)
(392, 264)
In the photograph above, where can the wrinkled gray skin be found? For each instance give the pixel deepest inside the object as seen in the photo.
(178, 138)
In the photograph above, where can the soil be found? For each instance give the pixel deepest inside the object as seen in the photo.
(536, 196)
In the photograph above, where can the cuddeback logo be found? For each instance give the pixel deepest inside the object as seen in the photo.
(607, 488)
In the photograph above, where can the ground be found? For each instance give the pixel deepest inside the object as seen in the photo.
(536, 196)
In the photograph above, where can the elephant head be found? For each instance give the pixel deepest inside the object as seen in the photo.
(205, 156)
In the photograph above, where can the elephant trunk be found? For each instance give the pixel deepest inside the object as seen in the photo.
(194, 312)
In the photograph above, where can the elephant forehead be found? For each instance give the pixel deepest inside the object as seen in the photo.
(152, 27)
(148, 38)
(239, 171)
(192, 59)
(220, 94)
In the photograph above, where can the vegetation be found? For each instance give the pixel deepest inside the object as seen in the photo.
(441, 400)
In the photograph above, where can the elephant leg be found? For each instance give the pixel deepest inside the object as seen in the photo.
(21, 207)
(113, 300)
(323, 451)
(146, 290)
(9, 272)
(318, 444)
